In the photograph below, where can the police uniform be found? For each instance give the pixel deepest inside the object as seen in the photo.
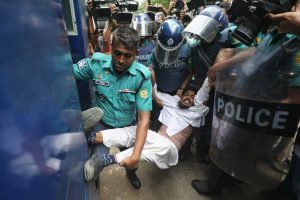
(210, 51)
(145, 51)
(169, 77)
(119, 96)
(262, 79)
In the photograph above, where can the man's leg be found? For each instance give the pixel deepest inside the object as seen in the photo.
(213, 185)
(288, 188)
(185, 150)
(92, 124)
(100, 157)
(202, 145)
(157, 149)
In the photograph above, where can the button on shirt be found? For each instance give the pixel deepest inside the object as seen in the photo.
(116, 94)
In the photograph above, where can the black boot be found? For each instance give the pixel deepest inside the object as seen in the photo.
(133, 178)
(203, 187)
(213, 185)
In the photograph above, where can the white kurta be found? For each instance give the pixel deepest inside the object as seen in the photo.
(159, 149)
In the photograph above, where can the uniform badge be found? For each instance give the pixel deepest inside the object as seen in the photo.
(170, 42)
(144, 93)
(82, 64)
(258, 40)
(99, 76)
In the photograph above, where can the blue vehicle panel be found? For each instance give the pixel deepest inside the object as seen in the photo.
(42, 148)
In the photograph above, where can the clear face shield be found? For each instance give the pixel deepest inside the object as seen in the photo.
(206, 28)
(193, 41)
(167, 55)
(144, 28)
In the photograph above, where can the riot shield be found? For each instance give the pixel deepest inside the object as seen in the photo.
(253, 125)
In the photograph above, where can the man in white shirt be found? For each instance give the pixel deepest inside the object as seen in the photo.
(178, 117)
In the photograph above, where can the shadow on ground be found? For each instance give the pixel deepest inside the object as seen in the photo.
(170, 184)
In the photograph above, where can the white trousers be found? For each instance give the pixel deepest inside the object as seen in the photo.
(157, 149)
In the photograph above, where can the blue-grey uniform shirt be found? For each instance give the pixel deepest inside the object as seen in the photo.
(145, 51)
(169, 77)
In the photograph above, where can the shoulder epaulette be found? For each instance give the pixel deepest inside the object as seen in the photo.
(144, 70)
(100, 56)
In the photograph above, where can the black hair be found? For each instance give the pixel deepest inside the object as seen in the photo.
(190, 87)
(127, 36)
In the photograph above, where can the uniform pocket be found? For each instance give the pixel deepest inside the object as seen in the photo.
(126, 101)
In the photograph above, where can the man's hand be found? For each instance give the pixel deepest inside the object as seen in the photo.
(224, 54)
(113, 8)
(288, 22)
(89, 5)
(212, 74)
(90, 49)
(179, 92)
(172, 4)
(161, 8)
(158, 102)
(130, 162)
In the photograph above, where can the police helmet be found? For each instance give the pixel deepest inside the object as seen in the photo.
(207, 24)
(142, 24)
(169, 41)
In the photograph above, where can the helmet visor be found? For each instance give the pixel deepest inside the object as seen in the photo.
(166, 55)
(204, 27)
(143, 28)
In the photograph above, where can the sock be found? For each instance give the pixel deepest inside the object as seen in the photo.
(108, 159)
(91, 137)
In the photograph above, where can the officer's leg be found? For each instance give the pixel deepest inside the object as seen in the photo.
(131, 174)
(288, 188)
(92, 125)
(202, 145)
(100, 149)
(213, 185)
(154, 123)
(185, 150)
(203, 137)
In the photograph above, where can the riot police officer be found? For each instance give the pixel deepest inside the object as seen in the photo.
(266, 78)
(169, 61)
(204, 35)
(143, 25)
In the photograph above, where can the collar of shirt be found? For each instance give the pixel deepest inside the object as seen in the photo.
(132, 69)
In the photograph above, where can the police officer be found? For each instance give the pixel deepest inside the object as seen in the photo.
(206, 35)
(122, 86)
(169, 61)
(282, 59)
(143, 25)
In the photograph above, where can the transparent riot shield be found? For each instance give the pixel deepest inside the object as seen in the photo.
(254, 126)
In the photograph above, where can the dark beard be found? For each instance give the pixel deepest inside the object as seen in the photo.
(180, 105)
